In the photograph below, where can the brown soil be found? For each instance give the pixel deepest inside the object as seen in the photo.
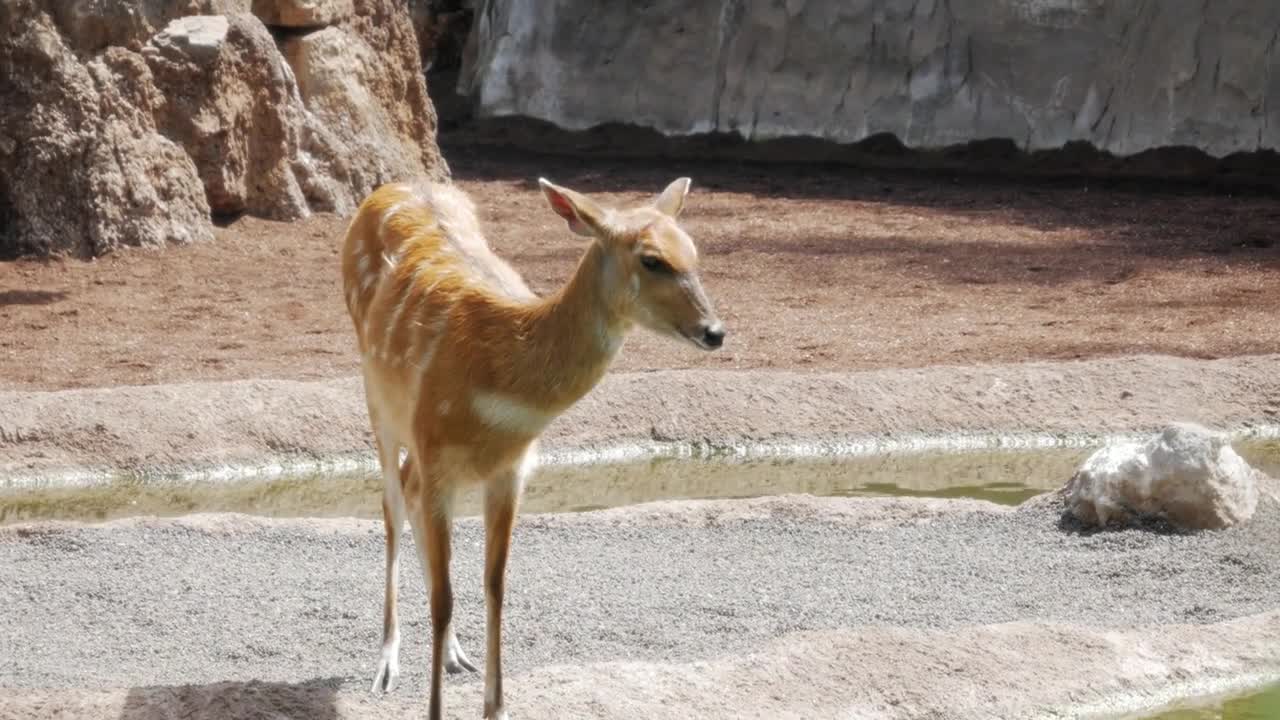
(812, 268)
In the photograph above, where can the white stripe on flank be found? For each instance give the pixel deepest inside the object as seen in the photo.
(386, 217)
(504, 412)
(369, 340)
(432, 334)
(393, 321)
(363, 271)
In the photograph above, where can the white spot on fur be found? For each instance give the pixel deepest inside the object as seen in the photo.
(504, 412)
(443, 408)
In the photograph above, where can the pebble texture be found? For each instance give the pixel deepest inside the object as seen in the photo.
(228, 598)
(1125, 75)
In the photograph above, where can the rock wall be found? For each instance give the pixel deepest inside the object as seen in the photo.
(133, 122)
(1124, 75)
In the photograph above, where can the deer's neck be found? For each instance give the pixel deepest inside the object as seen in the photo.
(571, 337)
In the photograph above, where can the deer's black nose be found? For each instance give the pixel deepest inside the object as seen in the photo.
(713, 336)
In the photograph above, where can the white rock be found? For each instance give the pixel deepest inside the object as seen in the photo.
(302, 13)
(1187, 475)
(197, 35)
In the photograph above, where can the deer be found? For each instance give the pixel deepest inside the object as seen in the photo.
(464, 367)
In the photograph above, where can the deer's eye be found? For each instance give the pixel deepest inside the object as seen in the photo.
(652, 263)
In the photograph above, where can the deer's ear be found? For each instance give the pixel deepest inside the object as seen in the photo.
(671, 201)
(583, 216)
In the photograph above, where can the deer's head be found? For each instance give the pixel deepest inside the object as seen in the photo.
(651, 262)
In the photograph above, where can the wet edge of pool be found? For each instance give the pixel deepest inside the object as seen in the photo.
(834, 448)
(1211, 700)
(1017, 469)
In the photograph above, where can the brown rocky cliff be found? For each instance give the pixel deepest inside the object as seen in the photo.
(133, 122)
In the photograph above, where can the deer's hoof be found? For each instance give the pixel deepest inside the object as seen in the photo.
(388, 671)
(455, 661)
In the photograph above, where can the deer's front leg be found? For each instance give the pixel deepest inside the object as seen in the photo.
(393, 515)
(499, 518)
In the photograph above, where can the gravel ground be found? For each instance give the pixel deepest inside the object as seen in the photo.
(233, 598)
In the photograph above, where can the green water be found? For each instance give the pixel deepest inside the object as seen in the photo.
(1260, 706)
(1007, 477)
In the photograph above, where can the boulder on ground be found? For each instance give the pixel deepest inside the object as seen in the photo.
(1187, 476)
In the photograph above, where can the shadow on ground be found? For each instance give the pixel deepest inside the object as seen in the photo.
(311, 700)
(1169, 168)
(30, 297)
(1121, 225)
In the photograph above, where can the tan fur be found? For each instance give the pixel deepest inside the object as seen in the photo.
(464, 366)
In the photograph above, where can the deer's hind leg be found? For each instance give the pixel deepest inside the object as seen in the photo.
(393, 517)
(432, 521)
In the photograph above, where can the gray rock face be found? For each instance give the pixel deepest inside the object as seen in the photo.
(1186, 475)
(1125, 75)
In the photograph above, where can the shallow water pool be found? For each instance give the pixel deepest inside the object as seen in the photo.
(1264, 705)
(1006, 477)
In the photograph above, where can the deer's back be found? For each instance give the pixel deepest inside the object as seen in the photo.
(413, 255)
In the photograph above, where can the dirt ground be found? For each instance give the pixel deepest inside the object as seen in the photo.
(811, 268)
